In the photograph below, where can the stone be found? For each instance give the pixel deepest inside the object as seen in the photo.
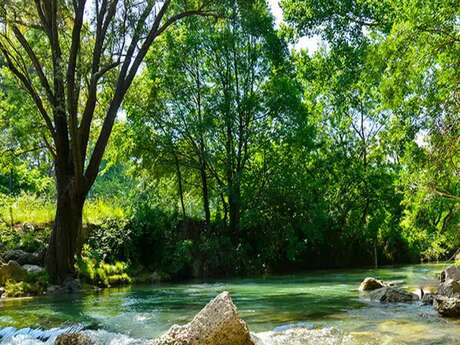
(392, 295)
(449, 288)
(2, 291)
(73, 339)
(33, 269)
(28, 227)
(155, 277)
(450, 273)
(23, 258)
(447, 306)
(370, 284)
(217, 323)
(70, 285)
(12, 271)
(427, 298)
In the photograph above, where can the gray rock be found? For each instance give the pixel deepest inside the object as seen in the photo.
(12, 271)
(70, 285)
(447, 306)
(73, 339)
(392, 295)
(427, 298)
(2, 291)
(27, 227)
(449, 288)
(217, 323)
(370, 284)
(33, 269)
(450, 273)
(23, 258)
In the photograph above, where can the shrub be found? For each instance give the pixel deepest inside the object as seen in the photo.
(101, 273)
(34, 285)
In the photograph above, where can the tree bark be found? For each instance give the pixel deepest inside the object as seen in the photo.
(64, 243)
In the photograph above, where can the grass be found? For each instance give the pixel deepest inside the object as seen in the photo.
(28, 208)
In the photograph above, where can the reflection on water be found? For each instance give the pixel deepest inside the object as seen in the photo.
(314, 300)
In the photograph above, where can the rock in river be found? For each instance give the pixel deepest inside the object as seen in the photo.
(370, 284)
(449, 288)
(447, 306)
(217, 323)
(450, 273)
(73, 339)
(392, 295)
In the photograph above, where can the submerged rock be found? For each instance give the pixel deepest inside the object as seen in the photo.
(392, 295)
(303, 336)
(12, 271)
(217, 323)
(370, 284)
(73, 339)
(447, 306)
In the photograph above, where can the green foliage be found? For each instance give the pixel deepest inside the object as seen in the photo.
(100, 273)
(237, 156)
(110, 240)
(34, 285)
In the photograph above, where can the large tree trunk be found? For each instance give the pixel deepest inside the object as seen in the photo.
(65, 239)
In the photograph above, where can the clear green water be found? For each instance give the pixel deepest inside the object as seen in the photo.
(318, 299)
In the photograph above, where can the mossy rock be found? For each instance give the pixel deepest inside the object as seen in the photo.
(12, 271)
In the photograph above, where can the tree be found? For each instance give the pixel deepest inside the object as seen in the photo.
(77, 59)
(210, 93)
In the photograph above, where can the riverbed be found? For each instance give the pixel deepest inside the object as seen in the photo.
(314, 300)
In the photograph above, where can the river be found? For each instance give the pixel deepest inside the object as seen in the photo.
(320, 299)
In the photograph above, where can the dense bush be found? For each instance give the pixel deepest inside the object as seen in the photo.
(100, 273)
(34, 285)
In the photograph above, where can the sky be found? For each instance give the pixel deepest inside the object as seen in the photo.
(310, 43)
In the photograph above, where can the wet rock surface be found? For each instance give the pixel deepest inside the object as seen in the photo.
(370, 284)
(447, 306)
(73, 339)
(450, 273)
(392, 295)
(218, 323)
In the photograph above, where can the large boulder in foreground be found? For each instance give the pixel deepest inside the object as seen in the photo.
(73, 339)
(451, 273)
(392, 295)
(370, 284)
(217, 323)
(449, 288)
(447, 306)
(12, 271)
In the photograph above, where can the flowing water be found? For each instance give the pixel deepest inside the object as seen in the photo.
(315, 300)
